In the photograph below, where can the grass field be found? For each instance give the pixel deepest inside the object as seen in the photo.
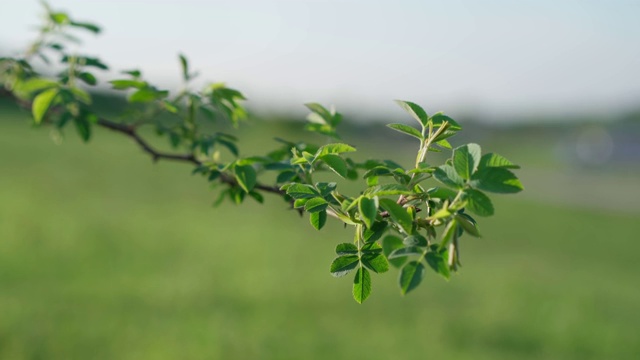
(104, 255)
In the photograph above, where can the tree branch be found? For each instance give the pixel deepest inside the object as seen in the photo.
(130, 131)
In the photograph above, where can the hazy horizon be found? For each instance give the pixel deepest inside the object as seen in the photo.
(496, 59)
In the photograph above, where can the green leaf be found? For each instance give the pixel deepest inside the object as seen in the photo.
(318, 219)
(35, 84)
(371, 248)
(87, 26)
(147, 95)
(170, 107)
(496, 180)
(83, 127)
(246, 177)
(377, 171)
(447, 175)
(404, 252)
(298, 203)
(343, 264)
(127, 84)
(229, 146)
(478, 203)
(184, 64)
(466, 159)
(59, 18)
(86, 61)
(42, 102)
(441, 139)
(398, 214)
(387, 189)
(437, 260)
(336, 163)
(257, 197)
(467, 223)
(323, 129)
(88, 78)
(423, 168)
(80, 94)
(415, 240)
(389, 244)
(134, 73)
(495, 160)
(443, 143)
(237, 195)
(320, 110)
(439, 118)
(326, 188)
(361, 285)
(375, 232)
(346, 249)
(376, 262)
(301, 160)
(406, 129)
(368, 210)
(336, 148)
(415, 111)
(441, 214)
(442, 193)
(301, 191)
(285, 176)
(316, 204)
(410, 276)
(448, 233)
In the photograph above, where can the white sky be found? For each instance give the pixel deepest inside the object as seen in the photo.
(493, 58)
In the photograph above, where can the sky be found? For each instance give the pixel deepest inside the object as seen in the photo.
(498, 60)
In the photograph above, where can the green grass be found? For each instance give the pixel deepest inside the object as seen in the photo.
(104, 255)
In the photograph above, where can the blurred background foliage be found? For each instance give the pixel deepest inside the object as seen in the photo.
(104, 254)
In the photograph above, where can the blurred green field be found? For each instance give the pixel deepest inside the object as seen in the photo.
(104, 255)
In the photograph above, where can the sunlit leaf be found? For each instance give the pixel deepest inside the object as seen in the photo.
(318, 219)
(415, 111)
(406, 129)
(466, 159)
(42, 102)
(361, 285)
(343, 264)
